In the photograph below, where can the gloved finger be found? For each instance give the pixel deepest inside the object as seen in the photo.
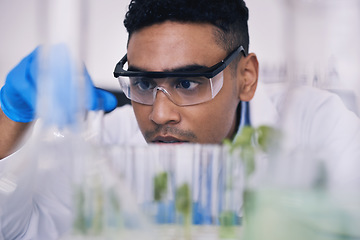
(99, 99)
(18, 95)
(104, 100)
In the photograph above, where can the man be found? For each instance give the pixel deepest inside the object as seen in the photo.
(192, 43)
(189, 77)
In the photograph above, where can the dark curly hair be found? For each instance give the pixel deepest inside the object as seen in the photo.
(229, 16)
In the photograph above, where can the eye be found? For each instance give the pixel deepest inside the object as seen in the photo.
(143, 84)
(186, 84)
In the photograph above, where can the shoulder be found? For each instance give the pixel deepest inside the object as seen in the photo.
(120, 127)
(305, 112)
(283, 96)
(284, 101)
(311, 104)
(120, 115)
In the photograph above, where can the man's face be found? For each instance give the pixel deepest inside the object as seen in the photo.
(168, 46)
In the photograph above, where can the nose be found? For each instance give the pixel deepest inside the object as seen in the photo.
(164, 111)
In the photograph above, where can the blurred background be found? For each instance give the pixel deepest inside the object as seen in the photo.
(312, 42)
(298, 42)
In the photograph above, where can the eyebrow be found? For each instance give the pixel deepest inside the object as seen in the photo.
(187, 68)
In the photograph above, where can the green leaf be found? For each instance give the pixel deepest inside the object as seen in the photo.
(242, 139)
(160, 186)
(250, 141)
(227, 218)
(80, 219)
(268, 137)
(247, 155)
(245, 137)
(183, 199)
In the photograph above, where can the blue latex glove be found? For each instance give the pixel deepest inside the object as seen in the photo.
(18, 97)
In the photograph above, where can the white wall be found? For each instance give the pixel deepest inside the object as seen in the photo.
(18, 32)
(277, 34)
(105, 36)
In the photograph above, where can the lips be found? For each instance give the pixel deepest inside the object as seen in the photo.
(167, 139)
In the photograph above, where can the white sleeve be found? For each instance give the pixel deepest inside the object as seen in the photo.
(121, 128)
(318, 124)
(339, 141)
(16, 196)
(34, 202)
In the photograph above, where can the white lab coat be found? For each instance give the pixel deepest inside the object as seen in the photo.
(36, 204)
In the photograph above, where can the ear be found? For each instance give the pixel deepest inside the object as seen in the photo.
(248, 72)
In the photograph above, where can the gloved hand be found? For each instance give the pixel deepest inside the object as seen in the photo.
(18, 97)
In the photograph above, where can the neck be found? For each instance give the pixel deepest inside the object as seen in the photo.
(236, 124)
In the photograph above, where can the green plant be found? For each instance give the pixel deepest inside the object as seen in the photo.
(252, 140)
(160, 186)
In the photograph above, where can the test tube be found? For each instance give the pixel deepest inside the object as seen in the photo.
(62, 93)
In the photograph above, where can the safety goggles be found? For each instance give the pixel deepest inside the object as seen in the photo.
(183, 88)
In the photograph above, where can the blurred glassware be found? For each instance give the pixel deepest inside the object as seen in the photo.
(188, 191)
(310, 189)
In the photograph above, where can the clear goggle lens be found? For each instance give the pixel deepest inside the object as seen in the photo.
(183, 91)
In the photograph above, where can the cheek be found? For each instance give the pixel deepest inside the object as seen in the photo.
(220, 123)
(214, 121)
(142, 113)
(211, 122)
(222, 111)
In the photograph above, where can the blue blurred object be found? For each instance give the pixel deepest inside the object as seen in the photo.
(19, 95)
